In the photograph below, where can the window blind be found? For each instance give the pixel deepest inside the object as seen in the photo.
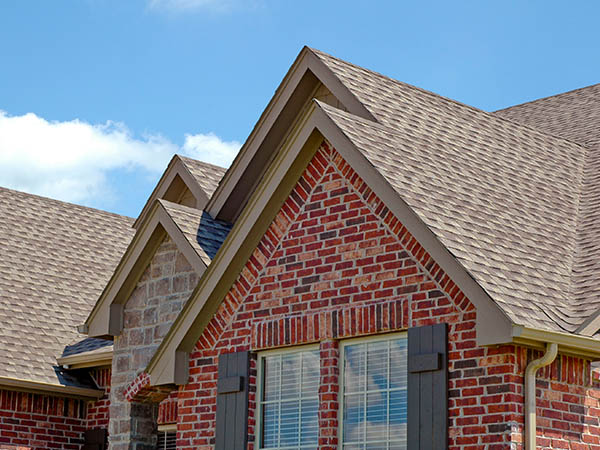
(290, 400)
(167, 440)
(375, 395)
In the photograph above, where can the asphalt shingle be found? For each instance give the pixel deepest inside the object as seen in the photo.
(207, 175)
(56, 259)
(205, 234)
(507, 199)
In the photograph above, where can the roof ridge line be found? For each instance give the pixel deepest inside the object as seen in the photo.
(179, 155)
(572, 91)
(43, 197)
(456, 102)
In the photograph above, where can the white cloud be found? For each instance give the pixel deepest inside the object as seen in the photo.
(71, 160)
(210, 148)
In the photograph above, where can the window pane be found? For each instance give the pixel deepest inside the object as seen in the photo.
(311, 373)
(354, 418)
(377, 365)
(398, 404)
(374, 396)
(309, 422)
(355, 368)
(376, 427)
(270, 425)
(289, 423)
(272, 376)
(398, 363)
(290, 376)
(290, 400)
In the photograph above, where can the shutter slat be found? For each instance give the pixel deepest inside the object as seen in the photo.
(428, 387)
(426, 393)
(221, 406)
(440, 388)
(413, 388)
(232, 404)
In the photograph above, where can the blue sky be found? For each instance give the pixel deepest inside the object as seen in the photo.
(96, 95)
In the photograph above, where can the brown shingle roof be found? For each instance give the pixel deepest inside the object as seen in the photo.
(205, 234)
(56, 259)
(575, 115)
(503, 197)
(207, 175)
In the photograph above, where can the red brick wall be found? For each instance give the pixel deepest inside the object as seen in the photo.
(97, 411)
(335, 263)
(35, 421)
(568, 406)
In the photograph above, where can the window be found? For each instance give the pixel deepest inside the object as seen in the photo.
(289, 399)
(374, 393)
(167, 437)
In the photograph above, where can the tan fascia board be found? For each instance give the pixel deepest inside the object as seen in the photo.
(175, 168)
(306, 61)
(169, 364)
(37, 387)
(106, 318)
(94, 358)
(568, 343)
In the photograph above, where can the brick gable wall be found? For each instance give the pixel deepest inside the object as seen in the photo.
(335, 263)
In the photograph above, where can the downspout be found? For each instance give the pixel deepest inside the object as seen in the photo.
(530, 372)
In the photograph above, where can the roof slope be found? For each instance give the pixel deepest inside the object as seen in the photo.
(205, 234)
(207, 175)
(56, 259)
(502, 197)
(575, 115)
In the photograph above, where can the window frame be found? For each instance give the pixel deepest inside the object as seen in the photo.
(353, 341)
(166, 428)
(260, 357)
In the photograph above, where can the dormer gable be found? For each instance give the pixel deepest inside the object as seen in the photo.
(308, 78)
(187, 182)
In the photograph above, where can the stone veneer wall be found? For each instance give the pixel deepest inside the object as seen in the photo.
(161, 292)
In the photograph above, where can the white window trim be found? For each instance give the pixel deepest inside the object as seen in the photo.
(352, 341)
(260, 356)
(167, 427)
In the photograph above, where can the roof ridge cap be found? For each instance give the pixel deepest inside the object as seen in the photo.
(529, 127)
(456, 102)
(62, 202)
(184, 157)
(517, 124)
(572, 91)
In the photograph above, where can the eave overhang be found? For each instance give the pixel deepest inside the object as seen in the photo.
(94, 358)
(37, 387)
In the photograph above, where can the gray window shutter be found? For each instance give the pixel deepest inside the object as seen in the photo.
(427, 426)
(232, 401)
(96, 439)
